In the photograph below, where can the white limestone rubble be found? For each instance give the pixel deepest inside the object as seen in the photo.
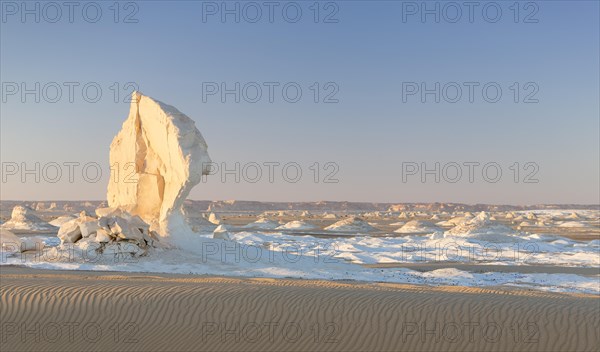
(124, 231)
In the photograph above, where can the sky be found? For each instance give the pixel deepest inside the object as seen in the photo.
(307, 101)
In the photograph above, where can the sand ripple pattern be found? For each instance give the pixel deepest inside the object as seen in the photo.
(73, 311)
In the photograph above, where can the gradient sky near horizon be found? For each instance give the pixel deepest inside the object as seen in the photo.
(178, 48)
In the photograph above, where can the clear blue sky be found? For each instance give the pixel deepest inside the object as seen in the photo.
(368, 133)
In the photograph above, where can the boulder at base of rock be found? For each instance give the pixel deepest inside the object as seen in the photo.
(88, 228)
(105, 222)
(138, 223)
(102, 236)
(118, 225)
(69, 232)
(132, 233)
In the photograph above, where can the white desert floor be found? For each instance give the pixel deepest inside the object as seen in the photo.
(488, 257)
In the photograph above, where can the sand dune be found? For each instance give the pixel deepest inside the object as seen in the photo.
(151, 312)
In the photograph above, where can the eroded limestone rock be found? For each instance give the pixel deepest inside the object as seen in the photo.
(88, 228)
(70, 232)
(221, 232)
(24, 218)
(157, 158)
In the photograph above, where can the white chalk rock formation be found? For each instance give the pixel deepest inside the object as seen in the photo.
(296, 225)
(108, 212)
(23, 218)
(351, 224)
(526, 224)
(418, 226)
(573, 224)
(214, 218)
(262, 224)
(70, 232)
(61, 220)
(10, 242)
(73, 230)
(222, 233)
(482, 228)
(158, 157)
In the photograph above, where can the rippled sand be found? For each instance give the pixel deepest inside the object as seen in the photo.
(68, 311)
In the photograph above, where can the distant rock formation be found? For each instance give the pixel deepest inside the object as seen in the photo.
(481, 227)
(24, 219)
(157, 158)
(351, 224)
(296, 225)
(418, 226)
(214, 219)
(262, 224)
(221, 232)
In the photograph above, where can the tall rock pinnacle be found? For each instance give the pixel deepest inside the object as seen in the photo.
(156, 159)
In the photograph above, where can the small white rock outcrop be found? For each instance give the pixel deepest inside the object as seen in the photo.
(296, 225)
(351, 224)
(222, 233)
(10, 242)
(24, 219)
(262, 224)
(418, 226)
